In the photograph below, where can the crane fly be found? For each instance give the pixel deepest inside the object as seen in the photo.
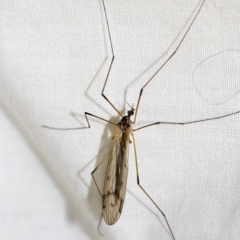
(117, 170)
(115, 182)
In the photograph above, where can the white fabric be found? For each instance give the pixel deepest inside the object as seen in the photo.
(53, 61)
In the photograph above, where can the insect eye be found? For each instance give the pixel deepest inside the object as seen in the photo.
(130, 113)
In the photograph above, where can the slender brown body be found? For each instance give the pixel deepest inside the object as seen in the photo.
(117, 171)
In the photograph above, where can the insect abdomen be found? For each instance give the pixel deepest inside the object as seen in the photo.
(116, 178)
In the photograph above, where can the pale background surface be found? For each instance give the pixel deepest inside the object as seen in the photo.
(51, 58)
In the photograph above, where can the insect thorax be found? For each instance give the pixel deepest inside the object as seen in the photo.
(125, 123)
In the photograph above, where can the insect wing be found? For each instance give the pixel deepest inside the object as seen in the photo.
(116, 177)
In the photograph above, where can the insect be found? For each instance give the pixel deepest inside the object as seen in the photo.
(114, 190)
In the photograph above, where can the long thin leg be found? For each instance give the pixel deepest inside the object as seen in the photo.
(109, 69)
(99, 224)
(112, 59)
(95, 169)
(172, 54)
(138, 182)
(86, 113)
(185, 123)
